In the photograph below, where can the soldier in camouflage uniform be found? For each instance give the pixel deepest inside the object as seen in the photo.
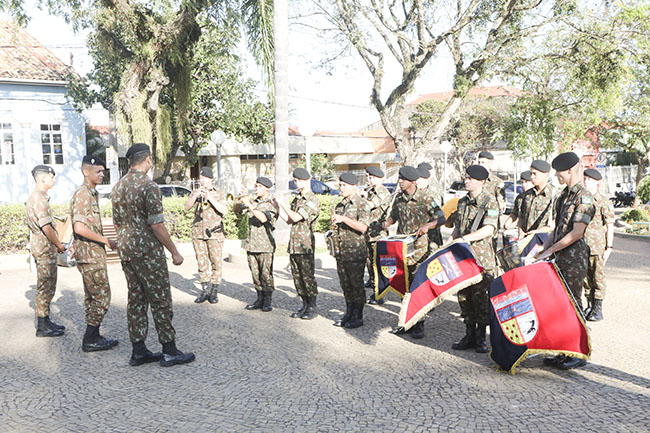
(301, 216)
(494, 184)
(537, 206)
(378, 198)
(526, 184)
(260, 243)
(600, 239)
(90, 253)
(208, 234)
(434, 186)
(141, 235)
(574, 210)
(477, 222)
(350, 221)
(44, 246)
(416, 213)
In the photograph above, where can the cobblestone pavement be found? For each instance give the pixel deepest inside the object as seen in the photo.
(266, 372)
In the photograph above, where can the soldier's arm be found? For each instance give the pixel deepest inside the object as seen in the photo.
(568, 239)
(82, 230)
(490, 221)
(161, 233)
(216, 200)
(261, 216)
(50, 233)
(191, 199)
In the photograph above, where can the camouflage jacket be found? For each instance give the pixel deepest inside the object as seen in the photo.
(435, 189)
(37, 215)
(351, 243)
(468, 209)
(596, 233)
(411, 213)
(301, 237)
(378, 199)
(494, 185)
(516, 207)
(260, 235)
(137, 204)
(536, 209)
(573, 205)
(84, 208)
(208, 223)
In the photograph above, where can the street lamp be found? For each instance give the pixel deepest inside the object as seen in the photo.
(446, 147)
(218, 137)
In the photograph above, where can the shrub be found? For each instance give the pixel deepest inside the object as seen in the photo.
(324, 222)
(644, 190)
(635, 215)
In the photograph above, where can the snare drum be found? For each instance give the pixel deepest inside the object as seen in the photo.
(408, 240)
(510, 256)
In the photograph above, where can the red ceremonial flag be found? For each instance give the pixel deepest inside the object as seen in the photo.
(391, 272)
(449, 270)
(532, 311)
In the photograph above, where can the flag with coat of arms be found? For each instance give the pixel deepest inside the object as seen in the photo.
(391, 272)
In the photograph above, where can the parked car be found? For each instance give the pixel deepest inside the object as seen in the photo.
(456, 190)
(317, 187)
(509, 193)
(174, 191)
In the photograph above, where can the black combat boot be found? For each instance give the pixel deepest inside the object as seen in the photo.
(42, 329)
(205, 293)
(214, 296)
(302, 309)
(172, 356)
(356, 318)
(418, 330)
(142, 355)
(554, 361)
(570, 363)
(596, 312)
(94, 342)
(372, 300)
(258, 302)
(52, 325)
(310, 311)
(266, 301)
(469, 340)
(481, 342)
(348, 313)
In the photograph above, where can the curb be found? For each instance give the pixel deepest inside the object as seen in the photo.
(642, 238)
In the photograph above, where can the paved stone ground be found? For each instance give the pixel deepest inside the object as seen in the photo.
(266, 372)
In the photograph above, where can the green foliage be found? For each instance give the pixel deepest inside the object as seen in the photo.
(643, 190)
(426, 114)
(632, 215)
(235, 225)
(321, 165)
(14, 233)
(531, 129)
(324, 223)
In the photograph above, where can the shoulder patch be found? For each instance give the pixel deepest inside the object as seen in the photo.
(586, 199)
(492, 212)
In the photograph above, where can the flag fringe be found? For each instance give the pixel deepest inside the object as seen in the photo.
(530, 352)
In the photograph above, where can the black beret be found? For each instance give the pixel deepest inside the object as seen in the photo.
(565, 161)
(540, 165)
(425, 165)
(375, 171)
(593, 173)
(409, 173)
(93, 160)
(264, 181)
(43, 169)
(207, 172)
(349, 178)
(485, 154)
(423, 172)
(301, 173)
(525, 175)
(477, 172)
(137, 148)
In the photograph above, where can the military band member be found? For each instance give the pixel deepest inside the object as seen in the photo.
(260, 243)
(435, 188)
(600, 239)
(208, 234)
(141, 235)
(574, 210)
(537, 205)
(477, 222)
(526, 184)
(350, 220)
(90, 253)
(44, 246)
(416, 213)
(494, 184)
(378, 198)
(301, 216)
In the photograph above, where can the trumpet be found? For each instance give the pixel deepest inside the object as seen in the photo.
(230, 198)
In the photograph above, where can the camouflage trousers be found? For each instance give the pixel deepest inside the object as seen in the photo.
(572, 262)
(46, 273)
(261, 266)
(302, 269)
(351, 280)
(208, 256)
(594, 284)
(97, 291)
(474, 301)
(147, 280)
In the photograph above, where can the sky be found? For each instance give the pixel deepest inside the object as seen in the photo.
(326, 100)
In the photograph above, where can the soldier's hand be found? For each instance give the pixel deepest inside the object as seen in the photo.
(60, 249)
(177, 259)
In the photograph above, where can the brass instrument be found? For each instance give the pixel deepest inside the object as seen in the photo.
(202, 198)
(332, 235)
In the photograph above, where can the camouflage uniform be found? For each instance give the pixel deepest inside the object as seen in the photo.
(38, 215)
(411, 213)
(573, 205)
(137, 204)
(351, 249)
(91, 255)
(473, 300)
(596, 237)
(302, 243)
(494, 186)
(436, 190)
(208, 238)
(260, 245)
(378, 200)
(536, 209)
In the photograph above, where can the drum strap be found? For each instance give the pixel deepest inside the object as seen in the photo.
(546, 214)
(479, 215)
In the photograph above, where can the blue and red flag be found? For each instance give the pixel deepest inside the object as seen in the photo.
(449, 270)
(531, 311)
(391, 272)
(532, 245)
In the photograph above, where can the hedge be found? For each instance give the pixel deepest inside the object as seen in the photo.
(632, 215)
